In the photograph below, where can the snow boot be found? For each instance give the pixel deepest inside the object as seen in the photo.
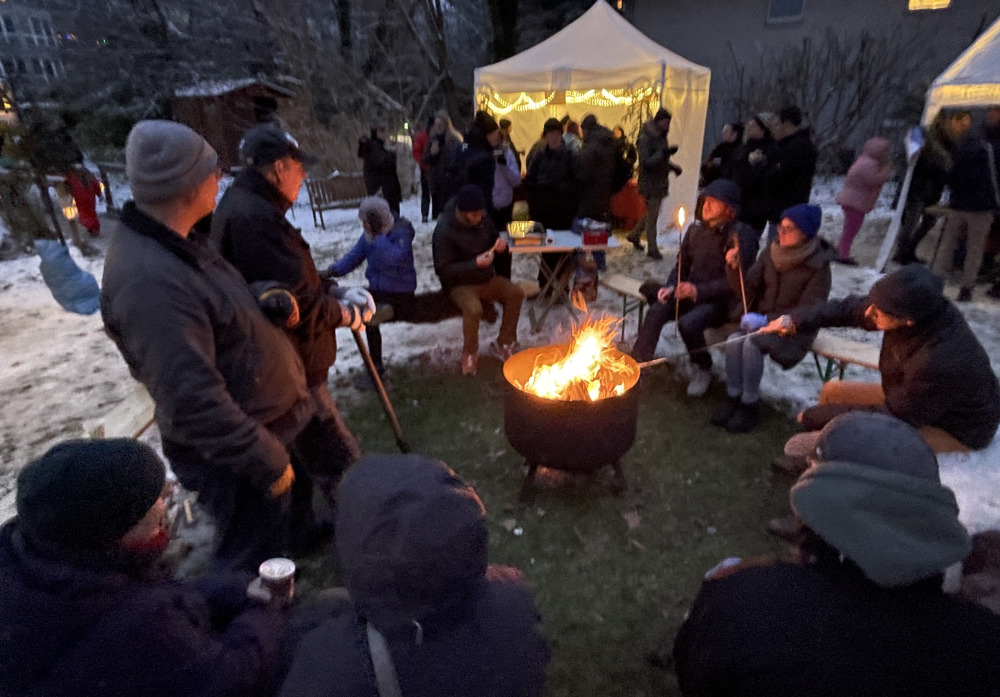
(746, 417)
(724, 413)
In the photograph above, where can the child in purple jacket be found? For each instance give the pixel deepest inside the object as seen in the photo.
(861, 189)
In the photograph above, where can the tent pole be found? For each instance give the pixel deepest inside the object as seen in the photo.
(897, 218)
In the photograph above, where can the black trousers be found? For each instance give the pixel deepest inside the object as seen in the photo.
(694, 319)
(425, 308)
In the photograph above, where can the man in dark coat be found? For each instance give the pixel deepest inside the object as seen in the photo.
(379, 168)
(750, 167)
(861, 611)
(552, 185)
(792, 271)
(654, 169)
(464, 244)
(444, 620)
(474, 162)
(596, 166)
(82, 611)
(698, 291)
(229, 387)
(936, 376)
(789, 182)
(251, 231)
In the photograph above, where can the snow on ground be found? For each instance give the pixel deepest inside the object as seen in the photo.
(59, 372)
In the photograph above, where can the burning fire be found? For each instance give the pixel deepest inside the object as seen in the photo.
(681, 217)
(589, 368)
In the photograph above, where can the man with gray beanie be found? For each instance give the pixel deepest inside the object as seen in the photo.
(250, 230)
(83, 610)
(229, 387)
(936, 376)
(861, 610)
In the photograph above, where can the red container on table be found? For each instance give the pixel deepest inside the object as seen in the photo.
(596, 235)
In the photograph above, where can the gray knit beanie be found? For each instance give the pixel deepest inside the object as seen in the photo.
(374, 210)
(165, 160)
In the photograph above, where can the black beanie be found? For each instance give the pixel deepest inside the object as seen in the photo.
(86, 494)
(485, 123)
(589, 122)
(724, 190)
(912, 292)
(470, 198)
(877, 440)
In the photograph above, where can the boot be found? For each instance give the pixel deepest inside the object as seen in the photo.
(724, 413)
(746, 417)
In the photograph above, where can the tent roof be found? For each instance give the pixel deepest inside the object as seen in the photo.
(972, 80)
(599, 50)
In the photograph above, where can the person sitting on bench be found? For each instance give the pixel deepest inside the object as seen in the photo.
(697, 291)
(387, 245)
(793, 271)
(936, 376)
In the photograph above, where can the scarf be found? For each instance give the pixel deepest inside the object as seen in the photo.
(786, 258)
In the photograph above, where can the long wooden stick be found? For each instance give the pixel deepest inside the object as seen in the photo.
(739, 267)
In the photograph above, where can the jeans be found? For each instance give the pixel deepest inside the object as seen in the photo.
(971, 227)
(744, 368)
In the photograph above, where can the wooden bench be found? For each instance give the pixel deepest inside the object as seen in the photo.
(841, 351)
(128, 419)
(628, 288)
(335, 191)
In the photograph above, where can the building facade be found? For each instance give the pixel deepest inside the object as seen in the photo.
(898, 48)
(29, 46)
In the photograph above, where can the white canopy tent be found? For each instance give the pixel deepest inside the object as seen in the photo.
(973, 80)
(601, 64)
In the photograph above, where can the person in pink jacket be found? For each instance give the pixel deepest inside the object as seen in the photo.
(861, 189)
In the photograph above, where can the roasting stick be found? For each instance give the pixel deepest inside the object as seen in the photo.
(739, 268)
(664, 359)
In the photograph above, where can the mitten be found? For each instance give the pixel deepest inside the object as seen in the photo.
(752, 321)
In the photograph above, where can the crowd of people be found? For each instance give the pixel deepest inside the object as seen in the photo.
(221, 313)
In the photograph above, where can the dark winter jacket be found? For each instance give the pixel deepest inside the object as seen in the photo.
(190, 330)
(930, 173)
(596, 168)
(379, 169)
(935, 373)
(473, 162)
(773, 293)
(448, 146)
(390, 260)
(250, 230)
(702, 259)
(719, 162)
(654, 161)
(786, 630)
(970, 180)
(456, 247)
(790, 181)
(552, 185)
(88, 626)
(750, 167)
(453, 624)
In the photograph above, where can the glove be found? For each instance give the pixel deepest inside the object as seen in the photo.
(352, 317)
(676, 169)
(752, 321)
(362, 300)
(277, 303)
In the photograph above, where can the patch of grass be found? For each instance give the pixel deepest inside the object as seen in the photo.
(608, 595)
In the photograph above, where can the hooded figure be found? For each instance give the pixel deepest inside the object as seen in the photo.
(82, 612)
(412, 541)
(862, 187)
(936, 376)
(861, 611)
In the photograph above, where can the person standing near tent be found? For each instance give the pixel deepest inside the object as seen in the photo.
(930, 174)
(442, 148)
(750, 167)
(789, 182)
(654, 168)
(419, 147)
(862, 185)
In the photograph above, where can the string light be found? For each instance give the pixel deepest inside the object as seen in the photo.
(497, 104)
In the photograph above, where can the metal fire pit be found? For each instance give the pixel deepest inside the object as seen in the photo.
(572, 436)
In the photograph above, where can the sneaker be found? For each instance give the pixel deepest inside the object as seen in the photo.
(503, 351)
(789, 465)
(654, 254)
(746, 417)
(724, 413)
(965, 294)
(470, 361)
(787, 527)
(700, 380)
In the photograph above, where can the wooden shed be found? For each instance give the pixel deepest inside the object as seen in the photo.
(223, 111)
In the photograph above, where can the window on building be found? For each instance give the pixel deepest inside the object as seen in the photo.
(785, 11)
(8, 25)
(929, 5)
(50, 68)
(8, 67)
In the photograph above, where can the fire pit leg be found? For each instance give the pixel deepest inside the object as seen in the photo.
(527, 494)
(619, 485)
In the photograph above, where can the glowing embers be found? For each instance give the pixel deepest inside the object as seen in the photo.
(589, 368)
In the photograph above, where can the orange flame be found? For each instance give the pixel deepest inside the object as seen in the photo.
(681, 217)
(589, 368)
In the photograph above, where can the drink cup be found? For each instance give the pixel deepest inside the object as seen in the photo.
(278, 576)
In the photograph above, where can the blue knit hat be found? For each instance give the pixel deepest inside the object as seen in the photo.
(806, 217)
(724, 190)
